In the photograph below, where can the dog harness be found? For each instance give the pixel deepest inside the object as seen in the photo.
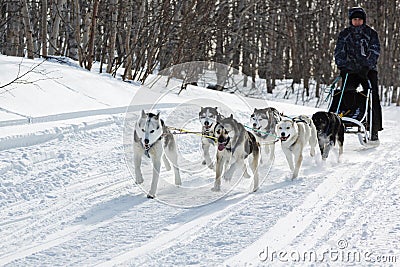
(147, 148)
(294, 142)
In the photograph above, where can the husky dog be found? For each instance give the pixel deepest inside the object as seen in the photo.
(295, 134)
(208, 118)
(264, 122)
(151, 137)
(330, 129)
(235, 144)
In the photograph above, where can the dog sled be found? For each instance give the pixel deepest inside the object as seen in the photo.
(354, 106)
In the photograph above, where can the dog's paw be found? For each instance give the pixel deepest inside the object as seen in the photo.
(139, 180)
(255, 189)
(291, 176)
(204, 162)
(150, 196)
(216, 189)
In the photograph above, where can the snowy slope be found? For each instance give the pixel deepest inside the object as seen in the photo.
(67, 196)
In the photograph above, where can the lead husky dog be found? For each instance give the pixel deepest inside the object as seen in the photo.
(295, 134)
(208, 118)
(264, 123)
(151, 137)
(235, 144)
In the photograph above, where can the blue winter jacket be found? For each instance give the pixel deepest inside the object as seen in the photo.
(357, 48)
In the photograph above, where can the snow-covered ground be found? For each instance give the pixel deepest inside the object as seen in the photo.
(67, 196)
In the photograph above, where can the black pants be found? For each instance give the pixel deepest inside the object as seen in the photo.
(354, 80)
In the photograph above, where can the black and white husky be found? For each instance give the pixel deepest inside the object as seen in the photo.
(330, 129)
(295, 134)
(208, 119)
(235, 144)
(151, 138)
(263, 122)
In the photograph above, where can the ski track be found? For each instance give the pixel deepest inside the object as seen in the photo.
(72, 202)
(338, 204)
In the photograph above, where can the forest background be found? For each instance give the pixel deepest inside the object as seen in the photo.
(268, 40)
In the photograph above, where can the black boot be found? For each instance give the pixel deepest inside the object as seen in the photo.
(374, 141)
(374, 136)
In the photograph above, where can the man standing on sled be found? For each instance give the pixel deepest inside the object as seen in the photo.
(356, 55)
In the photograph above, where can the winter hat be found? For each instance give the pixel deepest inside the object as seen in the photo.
(357, 12)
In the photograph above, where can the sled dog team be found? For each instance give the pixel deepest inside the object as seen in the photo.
(235, 144)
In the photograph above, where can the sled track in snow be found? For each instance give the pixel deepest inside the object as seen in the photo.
(313, 225)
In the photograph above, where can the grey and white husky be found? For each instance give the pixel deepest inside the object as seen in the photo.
(208, 119)
(151, 138)
(295, 134)
(263, 122)
(235, 144)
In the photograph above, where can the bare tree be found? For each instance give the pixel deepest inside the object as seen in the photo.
(43, 28)
(28, 28)
(90, 49)
(23, 77)
(113, 34)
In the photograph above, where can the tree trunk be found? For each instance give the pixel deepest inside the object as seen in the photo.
(128, 51)
(77, 29)
(55, 31)
(43, 28)
(13, 43)
(28, 29)
(113, 34)
(90, 49)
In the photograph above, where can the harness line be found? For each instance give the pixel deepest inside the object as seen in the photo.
(183, 131)
(267, 133)
(341, 95)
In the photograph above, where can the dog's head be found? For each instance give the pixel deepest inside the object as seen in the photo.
(286, 129)
(264, 118)
(225, 131)
(148, 128)
(208, 117)
(321, 121)
(222, 136)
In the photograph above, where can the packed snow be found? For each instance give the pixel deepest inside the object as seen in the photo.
(68, 195)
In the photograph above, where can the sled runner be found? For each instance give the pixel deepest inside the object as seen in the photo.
(353, 105)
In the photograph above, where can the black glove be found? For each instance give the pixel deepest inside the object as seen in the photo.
(363, 73)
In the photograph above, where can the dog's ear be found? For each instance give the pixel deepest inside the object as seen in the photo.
(201, 109)
(231, 116)
(143, 114)
(157, 117)
(216, 108)
(255, 110)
